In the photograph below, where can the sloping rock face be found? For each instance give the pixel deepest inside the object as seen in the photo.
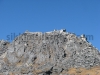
(51, 53)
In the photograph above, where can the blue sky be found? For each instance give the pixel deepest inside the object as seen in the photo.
(77, 16)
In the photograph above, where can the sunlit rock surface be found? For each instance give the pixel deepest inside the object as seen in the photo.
(51, 53)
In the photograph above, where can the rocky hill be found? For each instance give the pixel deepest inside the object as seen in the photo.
(51, 53)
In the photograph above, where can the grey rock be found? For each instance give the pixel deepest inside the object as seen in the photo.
(36, 53)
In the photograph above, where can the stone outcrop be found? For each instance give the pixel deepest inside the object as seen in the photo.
(50, 53)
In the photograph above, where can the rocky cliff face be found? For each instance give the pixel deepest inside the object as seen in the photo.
(51, 53)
